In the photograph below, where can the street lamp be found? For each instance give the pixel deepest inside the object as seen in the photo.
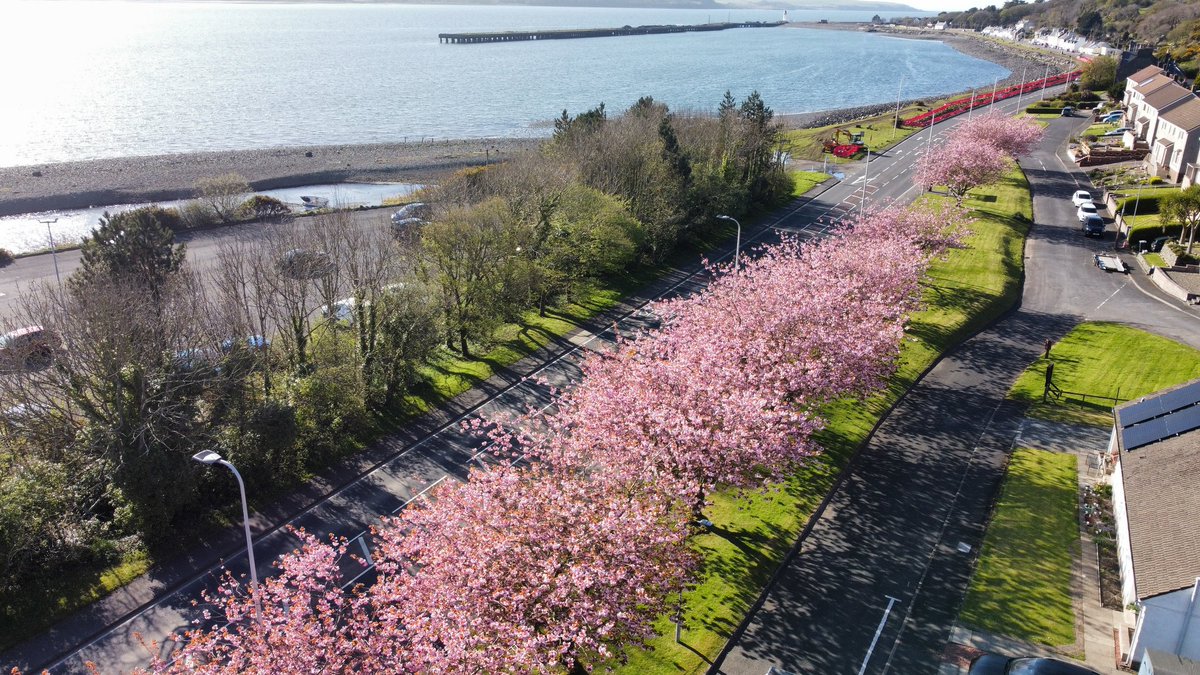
(53, 251)
(738, 242)
(210, 457)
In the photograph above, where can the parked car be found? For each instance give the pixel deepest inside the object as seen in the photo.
(995, 664)
(1086, 209)
(1068, 111)
(28, 348)
(300, 264)
(1117, 132)
(1111, 118)
(1081, 197)
(1158, 244)
(342, 310)
(251, 342)
(417, 210)
(1093, 226)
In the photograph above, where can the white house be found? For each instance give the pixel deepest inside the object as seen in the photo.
(1070, 42)
(1149, 101)
(1140, 77)
(1176, 141)
(1156, 501)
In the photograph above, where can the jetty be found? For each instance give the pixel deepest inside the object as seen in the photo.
(577, 33)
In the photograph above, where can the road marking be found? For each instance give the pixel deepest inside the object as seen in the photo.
(1119, 288)
(878, 631)
(1155, 297)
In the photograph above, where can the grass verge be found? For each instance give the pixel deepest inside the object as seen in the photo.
(1022, 585)
(803, 181)
(1154, 260)
(877, 135)
(1104, 359)
(964, 292)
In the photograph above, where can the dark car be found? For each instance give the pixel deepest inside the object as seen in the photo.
(1093, 226)
(995, 664)
(1158, 244)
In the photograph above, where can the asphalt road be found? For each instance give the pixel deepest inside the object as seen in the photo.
(877, 583)
(106, 633)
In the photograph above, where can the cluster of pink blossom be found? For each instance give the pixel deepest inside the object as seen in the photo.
(977, 153)
(563, 563)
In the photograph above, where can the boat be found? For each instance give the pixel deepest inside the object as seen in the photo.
(311, 202)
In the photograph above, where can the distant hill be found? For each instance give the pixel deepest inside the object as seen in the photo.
(858, 5)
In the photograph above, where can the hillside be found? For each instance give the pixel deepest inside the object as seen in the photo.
(1172, 26)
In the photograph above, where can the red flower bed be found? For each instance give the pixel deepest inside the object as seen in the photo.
(961, 105)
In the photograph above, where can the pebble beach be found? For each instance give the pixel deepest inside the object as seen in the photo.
(75, 185)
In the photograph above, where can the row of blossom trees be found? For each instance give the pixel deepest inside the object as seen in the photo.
(561, 562)
(977, 153)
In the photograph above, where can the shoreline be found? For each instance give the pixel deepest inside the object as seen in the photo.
(63, 186)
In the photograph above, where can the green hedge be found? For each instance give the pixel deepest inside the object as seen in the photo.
(1043, 110)
(1150, 233)
(1147, 205)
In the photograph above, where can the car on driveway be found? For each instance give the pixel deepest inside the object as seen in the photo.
(1086, 210)
(1081, 197)
(1117, 132)
(1111, 118)
(995, 664)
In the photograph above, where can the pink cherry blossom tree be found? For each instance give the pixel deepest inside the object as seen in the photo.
(526, 570)
(1014, 136)
(961, 164)
(308, 623)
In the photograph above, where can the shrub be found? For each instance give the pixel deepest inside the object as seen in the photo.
(196, 214)
(1156, 180)
(1146, 205)
(331, 408)
(1149, 233)
(1043, 110)
(263, 207)
(6, 257)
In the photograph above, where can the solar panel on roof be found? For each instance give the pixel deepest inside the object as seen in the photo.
(1139, 412)
(1180, 398)
(1183, 421)
(1145, 433)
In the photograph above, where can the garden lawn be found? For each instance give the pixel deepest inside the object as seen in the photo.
(803, 181)
(1022, 584)
(877, 135)
(752, 534)
(1154, 260)
(1104, 359)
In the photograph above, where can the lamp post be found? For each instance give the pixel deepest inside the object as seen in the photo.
(53, 251)
(209, 457)
(1021, 91)
(738, 242)
(896, 122)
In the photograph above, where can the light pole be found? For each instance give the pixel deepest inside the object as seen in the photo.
(210, 457)
(896, 122)
(738, 242)
(53, 251)
(1045, 77)
(1021, 91)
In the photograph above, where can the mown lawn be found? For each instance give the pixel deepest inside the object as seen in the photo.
(1022, 585)
(807, 180)
(754, 533)
(1104, 359)
(878, 135)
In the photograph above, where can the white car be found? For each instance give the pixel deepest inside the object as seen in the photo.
(1081, 197)
(1085, 210)
(342, 310)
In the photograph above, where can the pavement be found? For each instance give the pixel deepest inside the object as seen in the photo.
(876, 584)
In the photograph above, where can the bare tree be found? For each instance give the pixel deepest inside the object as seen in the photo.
(223, 195)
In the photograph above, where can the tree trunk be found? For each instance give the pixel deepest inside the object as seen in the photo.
(462, 341)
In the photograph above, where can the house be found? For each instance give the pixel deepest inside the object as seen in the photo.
(1138, 78)
(1176, 141)
(1161, 663)
(1156, 502)
(1150, 100)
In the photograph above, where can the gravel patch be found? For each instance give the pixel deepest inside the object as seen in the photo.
(73, 185)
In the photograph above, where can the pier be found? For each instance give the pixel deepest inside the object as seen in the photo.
(577, 33)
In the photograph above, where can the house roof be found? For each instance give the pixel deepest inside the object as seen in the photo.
(1186, 116)
(1160, 471)
(1165, 96)
(1166, 663)
(1147, 87)
(1145, 74)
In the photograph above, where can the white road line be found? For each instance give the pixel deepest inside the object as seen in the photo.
(878, 631)
(1119, 289)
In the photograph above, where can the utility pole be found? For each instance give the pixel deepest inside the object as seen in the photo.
(1044, 78)
(896, 123)
(1021, 91)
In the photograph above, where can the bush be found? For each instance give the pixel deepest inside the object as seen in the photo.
(1149, 233)
(331, 408)
(1156, 180)
(262, 207)
(6, 257)
(1043, 110)
(1148, 204)
(196, 214)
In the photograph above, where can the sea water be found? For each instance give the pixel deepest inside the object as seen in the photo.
(96, 79)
